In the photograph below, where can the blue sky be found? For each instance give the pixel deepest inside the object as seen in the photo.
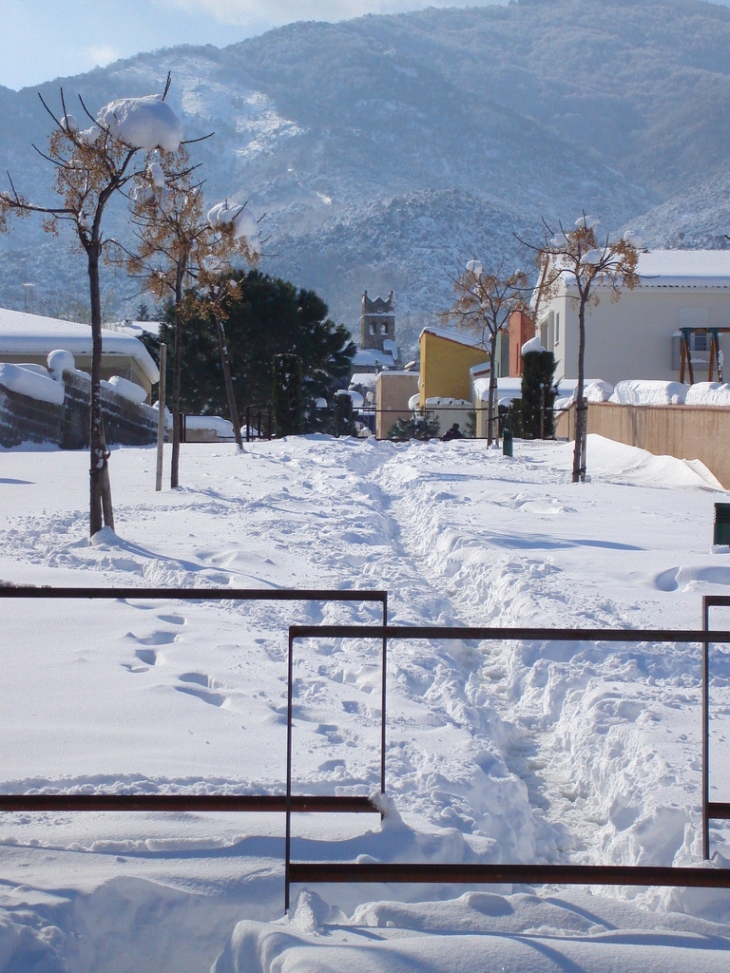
(44, 39)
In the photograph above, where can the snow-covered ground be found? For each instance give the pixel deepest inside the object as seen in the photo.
(550, 752)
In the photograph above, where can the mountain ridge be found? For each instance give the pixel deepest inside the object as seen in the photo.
(471, 124)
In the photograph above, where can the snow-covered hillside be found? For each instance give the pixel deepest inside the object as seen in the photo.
(547, 752)
(483, 120)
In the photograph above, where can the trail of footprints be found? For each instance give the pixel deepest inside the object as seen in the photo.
(195, 684)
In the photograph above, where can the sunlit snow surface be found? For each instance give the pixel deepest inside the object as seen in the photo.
(550, 752)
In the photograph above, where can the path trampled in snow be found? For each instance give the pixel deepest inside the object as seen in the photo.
(548, 752)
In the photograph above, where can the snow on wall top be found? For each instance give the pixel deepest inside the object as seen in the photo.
(33, 334)
(648, 392)
(26, 380)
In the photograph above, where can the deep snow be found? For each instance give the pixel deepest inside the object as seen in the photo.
(518, 752)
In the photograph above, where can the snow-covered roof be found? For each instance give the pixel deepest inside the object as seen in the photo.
(372, 357)
(460, 337)
(681, 268)
(33, 334)
(366, 379)
(685, 268)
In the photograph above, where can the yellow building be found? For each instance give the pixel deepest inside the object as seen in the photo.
(446, 358)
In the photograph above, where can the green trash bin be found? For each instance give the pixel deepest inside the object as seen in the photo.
(722, 524)
(507, 447)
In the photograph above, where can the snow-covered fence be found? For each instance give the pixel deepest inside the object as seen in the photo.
(686, 431)
(52, 406)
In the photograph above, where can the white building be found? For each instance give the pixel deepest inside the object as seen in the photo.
(637, 337)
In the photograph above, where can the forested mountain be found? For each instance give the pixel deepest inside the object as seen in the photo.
(386, 150)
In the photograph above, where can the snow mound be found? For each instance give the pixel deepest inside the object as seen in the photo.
(143, 123)
(534, 344)
(618, 463)
(105, 539)
(646, 392)
(708, 393)
(27, 381)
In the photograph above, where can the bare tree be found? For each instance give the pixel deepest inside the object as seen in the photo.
(584, 262)
(91, 166)
(483, 305)
(181, 248)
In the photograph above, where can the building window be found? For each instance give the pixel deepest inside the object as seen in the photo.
(557, 328)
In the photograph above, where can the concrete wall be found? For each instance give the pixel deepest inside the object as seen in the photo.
(24, 419)
(684, 431)
(632, 337)
(392, 392)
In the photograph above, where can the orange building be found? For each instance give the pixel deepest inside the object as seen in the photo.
(521, 329)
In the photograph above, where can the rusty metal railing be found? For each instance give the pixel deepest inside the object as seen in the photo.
(198, 802)
(711, 810)
(478, 874)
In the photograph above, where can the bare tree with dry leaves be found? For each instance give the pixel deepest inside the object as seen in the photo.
(483, 305)
(584, 261)
(183, 255)
(91, 166)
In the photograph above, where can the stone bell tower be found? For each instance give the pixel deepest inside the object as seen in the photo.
(377, 322)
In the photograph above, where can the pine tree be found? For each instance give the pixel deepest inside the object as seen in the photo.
(538, 395)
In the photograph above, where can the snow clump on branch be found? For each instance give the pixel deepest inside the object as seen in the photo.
(143, 123)
(244, 225)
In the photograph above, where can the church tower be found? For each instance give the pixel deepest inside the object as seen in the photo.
(377, 322)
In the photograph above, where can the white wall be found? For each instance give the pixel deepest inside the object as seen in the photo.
(632, 337)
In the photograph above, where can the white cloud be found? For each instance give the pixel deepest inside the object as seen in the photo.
(102, 54)
(245, 13)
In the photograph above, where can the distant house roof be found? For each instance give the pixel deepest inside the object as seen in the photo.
(33, 334)
(372, 357)
(680, 269)
(685, 268)
(460, 337)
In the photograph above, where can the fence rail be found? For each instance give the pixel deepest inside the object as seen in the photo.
(196, 802)
(711, 810)
(635, 875)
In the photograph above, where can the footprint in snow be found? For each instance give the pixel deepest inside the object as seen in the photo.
(201, 688)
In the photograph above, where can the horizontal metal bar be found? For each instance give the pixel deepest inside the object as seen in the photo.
(509, 874)
(507, 634)
(197, 594)
(717, 600)
(719, 811)
(185, 802)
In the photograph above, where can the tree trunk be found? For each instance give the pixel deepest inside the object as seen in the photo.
(492, 386)
(100, 500)
(223, 347)
(177, 378)
(176, 369)
(581, 408)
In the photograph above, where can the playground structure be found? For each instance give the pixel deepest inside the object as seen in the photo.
(715, 361)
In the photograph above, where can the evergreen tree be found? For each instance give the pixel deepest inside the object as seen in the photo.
(265, 316)
(538, 395)
(286, 397)
(422, 427)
